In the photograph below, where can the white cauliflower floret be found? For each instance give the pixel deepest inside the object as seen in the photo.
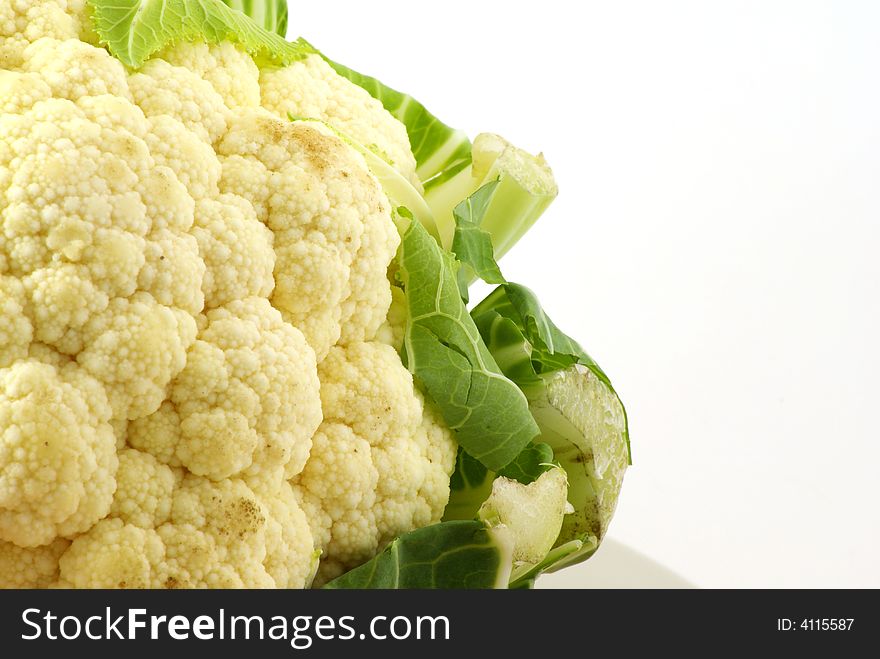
(20, 91)
(237, 251)
(25, 21)
(226, 66)
(144, 487)
(320, 200)
(135, 348)
(231, 515)
(162, 89)
(171, 264)
(287, 534)
(247, 402)
(74, 69)
(193, 161)
(338, 494)
(311, 89)
(63, 299)
(90, 175)
(30, 567)
(218, 535)
(16, 331)
(76, 217)
(381, 461)
(157, 434)
(112, 555)
(57, 453)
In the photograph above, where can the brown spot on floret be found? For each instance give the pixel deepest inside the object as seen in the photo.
(318, 148)
(244, 517)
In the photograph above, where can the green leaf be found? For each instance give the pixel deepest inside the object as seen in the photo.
(529, 343)
(469, 473)
(532, 461)
(450, 555)
(134, 30)
(440, 151)
(471, 245)
(446, 354)
(271, 15)
(469, 487)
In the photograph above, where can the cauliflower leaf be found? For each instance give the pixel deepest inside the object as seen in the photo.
(270, 14)
(452, 555)
(445, 352)
(133, 30)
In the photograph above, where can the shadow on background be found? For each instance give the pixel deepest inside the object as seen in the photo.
(615, 566)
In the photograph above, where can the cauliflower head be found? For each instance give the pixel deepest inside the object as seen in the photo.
(195, 388)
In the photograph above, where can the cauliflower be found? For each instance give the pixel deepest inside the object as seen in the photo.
(191, 288)
(235, 350)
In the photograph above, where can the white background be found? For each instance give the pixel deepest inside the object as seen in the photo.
(714, 246)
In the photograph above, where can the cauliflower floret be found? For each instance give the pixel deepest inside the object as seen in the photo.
(57, 453)
(311, 89)
(112, 554)
(192, 160)
(247, 402)
(237, 250)
(16, 331)
(63, 299)
(327, 212)
(22, 22)
(218, 535)
(229, 69)
(287, 534)
(76, 218)
(20, 91)
(90, 174)
(74, 69)
(30, 567)
(338, 493)
(160, 88)
(172, 266)
(381, 461)
(232, 516)
(367, 306)
(144, 489)
(393, 329)
(157, 434)
(134, 349)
